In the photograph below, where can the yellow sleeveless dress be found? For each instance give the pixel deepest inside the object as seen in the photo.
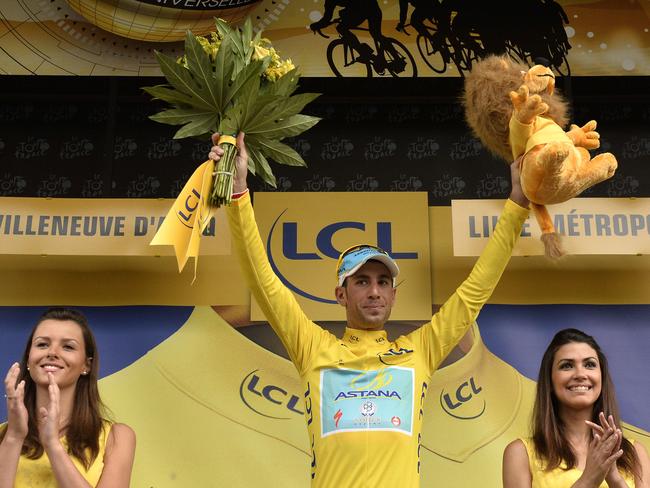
(558, 477)
(37, 473)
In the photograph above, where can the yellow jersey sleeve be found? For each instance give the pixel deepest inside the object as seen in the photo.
(300, 336)
(438, 337)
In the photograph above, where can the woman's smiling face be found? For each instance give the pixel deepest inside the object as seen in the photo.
(576, 376)
(58, 348)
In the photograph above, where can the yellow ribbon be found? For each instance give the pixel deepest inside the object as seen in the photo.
(188, 217)
(227, 140)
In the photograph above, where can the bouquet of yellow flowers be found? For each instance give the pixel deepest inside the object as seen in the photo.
(234, 81)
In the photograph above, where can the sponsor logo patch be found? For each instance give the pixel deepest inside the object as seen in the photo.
(353, 400)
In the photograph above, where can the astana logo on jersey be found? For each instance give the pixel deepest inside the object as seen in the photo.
(353, 401)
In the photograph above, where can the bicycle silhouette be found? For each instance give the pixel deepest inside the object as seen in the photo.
(465, 36)
(389, 57)
(439, 50)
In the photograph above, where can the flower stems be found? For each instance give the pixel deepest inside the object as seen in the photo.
(223, 176)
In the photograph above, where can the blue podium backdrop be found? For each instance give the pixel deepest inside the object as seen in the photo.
(518, 334)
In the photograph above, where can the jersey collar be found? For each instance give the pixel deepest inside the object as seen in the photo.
(367, 340)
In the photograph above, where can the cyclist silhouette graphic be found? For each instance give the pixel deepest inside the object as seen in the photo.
(481, 33)
(422, 10)
(546, 37)
(555, 17)
(447, 32)
(352, 14)
(388, 56)
(437, 12)
(460, 32)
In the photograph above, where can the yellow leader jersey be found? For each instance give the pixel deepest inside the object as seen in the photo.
(364, 395)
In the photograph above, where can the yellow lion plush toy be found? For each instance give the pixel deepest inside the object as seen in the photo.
(515, 111)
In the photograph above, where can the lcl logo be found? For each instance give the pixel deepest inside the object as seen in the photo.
(267, 399)
(191, 205)
(463, 403)
(324, 245)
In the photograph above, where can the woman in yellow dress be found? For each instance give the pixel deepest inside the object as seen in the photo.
(576, 439)
(56, 434)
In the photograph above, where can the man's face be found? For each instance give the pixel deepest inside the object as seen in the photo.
(368, 296)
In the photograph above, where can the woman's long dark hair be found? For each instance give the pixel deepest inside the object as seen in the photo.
(548, 430)
(86, 419)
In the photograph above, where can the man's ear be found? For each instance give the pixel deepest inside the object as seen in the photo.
(341, 295)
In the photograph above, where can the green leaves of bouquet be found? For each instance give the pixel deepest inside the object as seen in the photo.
(229, 82)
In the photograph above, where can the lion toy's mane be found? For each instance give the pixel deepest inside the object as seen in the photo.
(488, 107)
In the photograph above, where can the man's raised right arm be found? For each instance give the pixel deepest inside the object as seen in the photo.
(298, 334)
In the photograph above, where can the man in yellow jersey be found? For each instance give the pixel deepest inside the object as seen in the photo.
(363, 394)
